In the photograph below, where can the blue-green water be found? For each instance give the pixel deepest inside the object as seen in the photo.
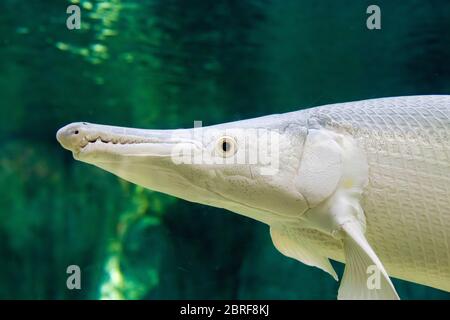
(164, 64)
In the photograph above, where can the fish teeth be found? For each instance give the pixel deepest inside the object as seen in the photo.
(109, 140)
(84, 143)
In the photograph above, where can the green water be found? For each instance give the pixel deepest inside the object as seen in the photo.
(164, 64)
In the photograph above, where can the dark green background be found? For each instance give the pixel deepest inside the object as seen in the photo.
(164, 64)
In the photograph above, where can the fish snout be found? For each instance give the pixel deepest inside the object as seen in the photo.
(72, 135)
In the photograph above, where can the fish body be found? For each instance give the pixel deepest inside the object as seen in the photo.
(406, 202)
(366, 183)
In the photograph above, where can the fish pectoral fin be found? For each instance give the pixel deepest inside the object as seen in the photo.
(289, 242)
(364, 275)
(342, 217)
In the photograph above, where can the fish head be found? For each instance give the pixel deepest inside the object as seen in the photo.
(248, 167)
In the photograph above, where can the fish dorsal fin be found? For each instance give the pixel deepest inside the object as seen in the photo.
(364, 275)
(289, 242)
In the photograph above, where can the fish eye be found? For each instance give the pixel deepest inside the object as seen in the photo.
(226, 146)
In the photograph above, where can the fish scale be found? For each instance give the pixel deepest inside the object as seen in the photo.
(407, 199)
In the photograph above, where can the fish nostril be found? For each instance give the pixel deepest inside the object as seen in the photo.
(76, 132)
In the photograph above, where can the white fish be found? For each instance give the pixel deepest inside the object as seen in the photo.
(366, 183)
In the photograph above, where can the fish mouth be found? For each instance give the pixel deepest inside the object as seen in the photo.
(107, 140)
(108, 143)
(122, 145)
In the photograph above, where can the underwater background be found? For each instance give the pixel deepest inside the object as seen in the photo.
(164, 64)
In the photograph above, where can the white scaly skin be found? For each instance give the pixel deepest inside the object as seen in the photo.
(367, 183)
(407, 201)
